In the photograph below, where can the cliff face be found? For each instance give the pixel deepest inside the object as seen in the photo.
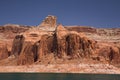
(61, 43)
(33, 45)
(107, 42)
(49, 41)
(98, 34)
(73, 44)
(3, 51)
(108, 52)
(9, 31)
(7, 34)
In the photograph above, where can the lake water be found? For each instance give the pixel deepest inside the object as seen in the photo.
(57, 76)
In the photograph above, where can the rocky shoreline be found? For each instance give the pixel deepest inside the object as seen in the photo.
(63, 68)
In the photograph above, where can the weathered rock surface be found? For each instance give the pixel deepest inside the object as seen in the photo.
(64, 68)
(26, 55)
(98, 34)
(82, 29)
(13, 28)
(50, 21)
(73, 44)
(108, 42)
(17, 45)
(7, 34)
(3, 51)
(52, 41)
(32, 46)
(98, 31)
(110, 53)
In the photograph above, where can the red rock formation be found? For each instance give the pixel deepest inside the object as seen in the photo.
(50, 21)
(81, 29)
(13, 28)
(8, 33)
(35, 43)
(17, 45)
(110, 53)
(99, 31)
(3, 51)
(26, 56)
(61, 42)
(70, 43)
(45, 46)
(60, 35)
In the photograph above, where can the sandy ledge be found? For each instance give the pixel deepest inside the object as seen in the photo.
(63, 68)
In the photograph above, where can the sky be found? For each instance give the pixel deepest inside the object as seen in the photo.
(95, 13)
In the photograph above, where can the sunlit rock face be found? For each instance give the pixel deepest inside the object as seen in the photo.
(48, 24)
(35, 43)
(49, 21)
(3, 51)
(51, 38)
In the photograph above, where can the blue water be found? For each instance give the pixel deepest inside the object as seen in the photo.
(57, 76)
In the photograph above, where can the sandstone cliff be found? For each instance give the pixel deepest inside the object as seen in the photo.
(108, 42)
(49, 42)
(33, 45)
(61, 43)
(4, 53)
(7, 34)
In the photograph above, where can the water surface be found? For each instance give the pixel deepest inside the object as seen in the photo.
(57, 76)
